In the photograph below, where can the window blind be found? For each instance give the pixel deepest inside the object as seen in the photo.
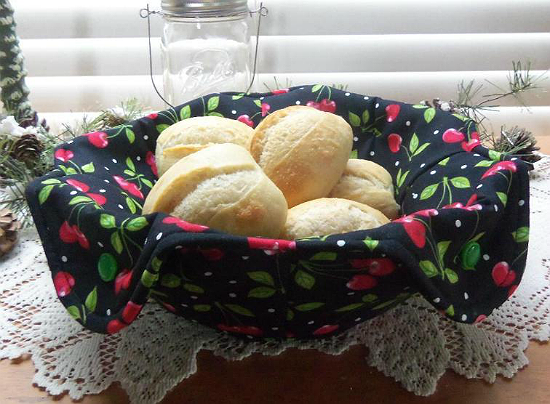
(87, 56)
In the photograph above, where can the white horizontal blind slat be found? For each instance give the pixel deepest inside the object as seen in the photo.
(111, 19)
(306, 53)
(91, 93)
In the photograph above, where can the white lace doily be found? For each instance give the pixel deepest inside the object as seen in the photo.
(412, 343)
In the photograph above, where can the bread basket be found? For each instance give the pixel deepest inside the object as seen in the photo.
(461, 242)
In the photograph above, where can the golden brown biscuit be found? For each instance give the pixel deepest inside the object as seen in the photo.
(221, 187)
(194, 134)
(303, 150)
(324, 216)
(369, 183)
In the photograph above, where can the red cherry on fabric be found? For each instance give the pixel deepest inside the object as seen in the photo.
(480, 318)
(281, 91)
(169, 307)
(271, 244)
(98, 139)
(134, 190)
(121, 181)
(63, 155)
(313, 104)
(63, 283)
(98, 198)
(246, 120)
(151, 162)
(328, 328)
(78, 185)
(115, 326)
(131, 311)
(502, 165)
(392, 111)
(381, 266)
(415, 230)
(152, 116)
(327, 105)
(190, 227)
(512, 290)
(123, 281)
(212, 254)
(394, 142)
(362, 282)
(503, 276)
(470, 145)
(453, 136)
(241, 329)
(81, 238)
(67, 234)
(265, 108)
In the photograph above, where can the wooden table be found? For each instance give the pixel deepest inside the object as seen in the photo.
(307, 376)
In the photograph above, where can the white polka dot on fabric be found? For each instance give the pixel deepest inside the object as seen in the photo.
(232, 295)
(159, 236)
(479, 186)
(102, 191)
(108, 312)
(476, 155)
(274, 328)
(233, 112)
(311, 322)
(355, 138)
(486, 257)
(358, 319)
(341, 243)
(106, 168)
(346, 94)
(466, 296)
(365, 98)
(464, 317)
(72, 193)
(297, 102)
(114, 161)
(458, 223)
(351, 293)
(414, 195)
(120, 206)
(107, 181)
(463, 166)
(64, 259)
(437, 300)
(232, 282)
(271, 310)
(138, 158)
(514, 158)
(261, 98)
(99, 244)
(521, 202)
(194, 297)
(496, 208)
(436, 132)
(433, 172)
(208, 274)
(371, 153)
(377, 105)
(408, 123)
(422, 165)
(145, 137)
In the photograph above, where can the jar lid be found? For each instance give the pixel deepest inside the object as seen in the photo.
(204, 8)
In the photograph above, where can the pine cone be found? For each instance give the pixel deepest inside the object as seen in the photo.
(447, 106)
(9, 227)
(27, 149)
(518, 142)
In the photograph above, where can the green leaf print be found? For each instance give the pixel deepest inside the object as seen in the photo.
(261, 292)
(107, 221)
(429, 269)
(503, 198)
(521, 235)
(185, 112)
(258, 103)
(289, 315)
(420, 106)
(421, 149)
(444, 161)
(79, 199)
(349, 307)
(44, 193)
(369, 298)
(451, 275)
(304, 279)
(137, 224)
(413, 145)
(371, 244)
(74, 312)
(442, 247)
(401, 178)
(88, 168)
(213, 103)
(365, 117)
(202, 307)
(324, 256)
(148, 279)
(429, 114)
(484, 163)
(461, 117)
(353, 154)
(170, 281)
(460, 182)
(429, 191)
(116, 242)
(193, 288)
(237, 97)
(107, 267)
(450, 310)
(50, 181)
(131, 204)
(494, 155)
(215, 114)
(240, 310)
(316, 88)
(130, 164)
(130, 135)
(161, 127)
(91, 300)
(354, 120)
(309, 306)
(261, 277)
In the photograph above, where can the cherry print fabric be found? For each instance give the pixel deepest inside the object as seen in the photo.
(461, 241)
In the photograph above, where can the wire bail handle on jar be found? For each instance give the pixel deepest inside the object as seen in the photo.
(146, 13)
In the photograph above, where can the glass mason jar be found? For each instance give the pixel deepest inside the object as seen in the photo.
(205, 48)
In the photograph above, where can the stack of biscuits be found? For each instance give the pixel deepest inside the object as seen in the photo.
(291, 177)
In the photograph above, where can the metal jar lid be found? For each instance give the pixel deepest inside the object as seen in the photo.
(204, 8)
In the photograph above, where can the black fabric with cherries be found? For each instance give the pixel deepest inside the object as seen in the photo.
(461, 241)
